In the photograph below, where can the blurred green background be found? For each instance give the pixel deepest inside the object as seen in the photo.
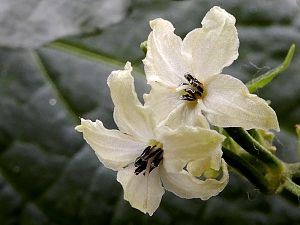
(50, 176)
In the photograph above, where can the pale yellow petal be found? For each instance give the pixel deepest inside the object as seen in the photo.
(198, 167)
(144, 192)
(187, 144)
(184, 185)
(162, 100)
(114, 149)
(228, 103)
(129, 114)
(186, 114)
(164, 62)
(214, 46)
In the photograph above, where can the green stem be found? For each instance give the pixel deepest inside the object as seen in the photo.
(291, 191)
(294, 169)
(263, 169)
(256, 135)
(297, 126)
(242, 164)
(247, 142)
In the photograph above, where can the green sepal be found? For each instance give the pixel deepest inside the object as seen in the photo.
(264, 79)
(143, 46)
(264, 137)
(297, 126)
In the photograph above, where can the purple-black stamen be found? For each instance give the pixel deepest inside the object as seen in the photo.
(195, 91)
(152, 156)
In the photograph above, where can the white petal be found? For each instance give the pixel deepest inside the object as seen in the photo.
(214, 46)
(162, 100)
(164, 62)
(144, 192)
(228, 103)
(187, 144)
(185, 185)
(186, 114)
(129, 114)
(170, 110)
(198, 167)
(215, 160)
(113, 148)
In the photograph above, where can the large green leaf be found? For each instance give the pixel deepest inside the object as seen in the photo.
(48, 175)
(31, 23)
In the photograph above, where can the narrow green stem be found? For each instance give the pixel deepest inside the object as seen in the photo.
(294, 169)
(242, 163)
(256, 135)
(291, 191)
(247, 142)
(297, 126)
(256, 163)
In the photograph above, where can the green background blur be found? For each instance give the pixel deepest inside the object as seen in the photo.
(48, 174)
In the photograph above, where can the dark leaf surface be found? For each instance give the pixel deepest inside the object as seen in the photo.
(32, 23)
(49, 176)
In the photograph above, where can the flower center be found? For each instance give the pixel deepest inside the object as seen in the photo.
(149, 159)
(193, 90)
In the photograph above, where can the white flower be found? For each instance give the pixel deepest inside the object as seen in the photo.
(187, 87)
(150, 159)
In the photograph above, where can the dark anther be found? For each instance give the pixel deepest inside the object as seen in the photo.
(151, 156)
(187, 97)
(193, 81)
(140, 168)
(153, 153)
(184, 84)
(195, 91)
(138, 161)
(156, 160)
(146, 151)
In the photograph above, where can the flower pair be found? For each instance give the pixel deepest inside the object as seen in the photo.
(167, 143)
(148, 157)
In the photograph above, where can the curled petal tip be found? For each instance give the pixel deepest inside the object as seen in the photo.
(217, 11)
(79, 128)
(128, 66)
(160, 23)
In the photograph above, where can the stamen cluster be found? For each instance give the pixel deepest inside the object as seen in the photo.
(148, 160)
(194, 88)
